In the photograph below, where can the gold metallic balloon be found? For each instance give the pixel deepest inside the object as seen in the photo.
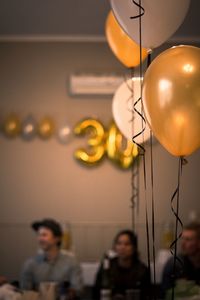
(12, 126)
(96, 141)
(124, 48)
(119, 149)
(171, 97)
(46, 128)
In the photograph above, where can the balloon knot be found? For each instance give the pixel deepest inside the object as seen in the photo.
(184, 161)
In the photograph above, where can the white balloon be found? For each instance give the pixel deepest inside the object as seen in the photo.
(29, 128)
(126, 119)
(160, 20)
(64, 134)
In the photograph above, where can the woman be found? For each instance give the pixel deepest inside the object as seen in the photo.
(127, 274)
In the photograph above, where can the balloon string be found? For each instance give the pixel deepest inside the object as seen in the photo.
(135, 191)
(142, 149)
(141, 10)
(135, 168)
(133, 188)
(175, 211)
(153, 211)
(141, 115)
(152, 198)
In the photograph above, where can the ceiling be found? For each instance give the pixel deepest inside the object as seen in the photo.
(76, 18)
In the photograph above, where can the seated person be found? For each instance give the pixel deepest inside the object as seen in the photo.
(189, 267)
(126, 271)
(51, 265)
(3, 280)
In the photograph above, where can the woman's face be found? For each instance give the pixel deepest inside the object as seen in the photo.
(123, 247)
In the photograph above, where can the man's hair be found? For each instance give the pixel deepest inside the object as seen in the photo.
(52, 225)
(193, 226)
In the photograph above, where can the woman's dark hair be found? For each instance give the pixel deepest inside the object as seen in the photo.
(133, 240)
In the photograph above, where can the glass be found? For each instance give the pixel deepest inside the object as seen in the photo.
(133, 294)
(48, 290)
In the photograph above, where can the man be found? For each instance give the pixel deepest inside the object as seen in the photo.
(189, 265)
(51, 265)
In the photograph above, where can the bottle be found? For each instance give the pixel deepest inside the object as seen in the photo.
(106, 289)
(167, 235)
(66, 238)
(63, 290)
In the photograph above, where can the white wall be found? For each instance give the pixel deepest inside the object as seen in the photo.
(42, 179)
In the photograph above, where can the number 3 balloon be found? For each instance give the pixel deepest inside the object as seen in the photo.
(95, 151)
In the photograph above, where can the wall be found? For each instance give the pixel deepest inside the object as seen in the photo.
(42, 179)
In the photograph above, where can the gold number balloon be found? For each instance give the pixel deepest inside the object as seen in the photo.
(96, 141)
(46, 128)
(120, 150)
(12, 126)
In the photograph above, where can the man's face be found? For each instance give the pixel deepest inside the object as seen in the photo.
(190, 243)
(46, 238)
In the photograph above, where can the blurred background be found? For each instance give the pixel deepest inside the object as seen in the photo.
(42, 44)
